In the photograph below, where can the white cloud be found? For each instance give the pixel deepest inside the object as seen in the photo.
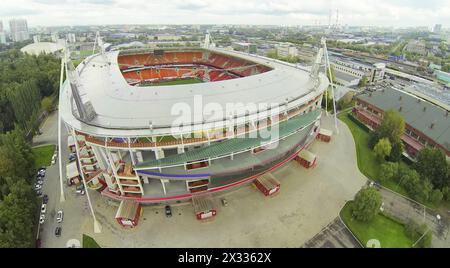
(352, 12)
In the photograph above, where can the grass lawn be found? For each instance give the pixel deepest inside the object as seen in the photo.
(390, 233)
(89, 242)
(43, 155)
(77, 62)
(85, 53)
(176, 82)
(367, 161)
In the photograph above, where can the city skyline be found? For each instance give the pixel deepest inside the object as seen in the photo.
(398, 13)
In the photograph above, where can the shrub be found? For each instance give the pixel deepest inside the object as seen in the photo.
(366, 204)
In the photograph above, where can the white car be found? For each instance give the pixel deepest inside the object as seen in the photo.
(43, 208)
(37, 187)
(80, 191)
(60, 216)
(42, 219)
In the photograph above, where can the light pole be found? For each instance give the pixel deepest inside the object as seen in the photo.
(327, 64)
(62, 197)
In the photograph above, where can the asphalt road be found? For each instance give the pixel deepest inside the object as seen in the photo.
(335, 235)
(75, 206)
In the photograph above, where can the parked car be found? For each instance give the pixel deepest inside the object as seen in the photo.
(54, 159)
(39, 193)
(45, 199)
(40, 182)
(168, 211)
(41, 172)
(72, 157)
(42, 219)
(43, 208)
(58, 231)
(37, 187)
(80, 191)
(59, 217)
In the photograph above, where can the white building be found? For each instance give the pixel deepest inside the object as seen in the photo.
(2, 38)
(286, 50)
(437, 28)
(36, 39)
(19, 30)
(374, 72)
(55, 37)
(71, 38)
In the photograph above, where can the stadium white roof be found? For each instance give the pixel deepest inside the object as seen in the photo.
(41, 47)
(126, 110)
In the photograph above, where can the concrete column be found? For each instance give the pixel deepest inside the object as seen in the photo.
(159, 153)
(163, 182)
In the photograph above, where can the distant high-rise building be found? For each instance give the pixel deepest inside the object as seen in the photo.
(36, 39)
(437, 28)
(55, 37)
(2, 38)
(71, 38)
(19, 30)
(2, 34)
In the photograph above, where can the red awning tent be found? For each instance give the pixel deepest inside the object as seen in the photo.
(306, 158)
(204, 206)
(267, 184)
(128, 213)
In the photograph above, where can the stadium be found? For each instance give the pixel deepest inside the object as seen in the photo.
(122, 109)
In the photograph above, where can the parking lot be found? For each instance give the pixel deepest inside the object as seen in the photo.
(308, 201)
(335, 235)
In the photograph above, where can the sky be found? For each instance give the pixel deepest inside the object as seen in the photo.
(397, 13)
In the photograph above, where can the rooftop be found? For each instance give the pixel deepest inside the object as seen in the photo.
(125, 110)
(428, 118)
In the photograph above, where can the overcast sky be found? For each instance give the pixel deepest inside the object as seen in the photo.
(398, 13)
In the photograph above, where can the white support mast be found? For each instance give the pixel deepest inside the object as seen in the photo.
(62, 197)
(327, 65)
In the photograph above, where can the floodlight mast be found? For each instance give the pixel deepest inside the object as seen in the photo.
(328, 66)
(62, 197)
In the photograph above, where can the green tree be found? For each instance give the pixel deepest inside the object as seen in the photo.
(436, 196)
(272, 54)
(16, 158)
(17, 215)
(392, 127)
(46, 104)
(382, 149)
(396, 151)
(363, 81)
(366, 204)
(388, 171)
(431, 164)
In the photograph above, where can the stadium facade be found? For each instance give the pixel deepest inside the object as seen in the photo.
(163, 125)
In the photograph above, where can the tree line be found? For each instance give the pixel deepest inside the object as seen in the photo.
(427, 179)
(25, 82)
